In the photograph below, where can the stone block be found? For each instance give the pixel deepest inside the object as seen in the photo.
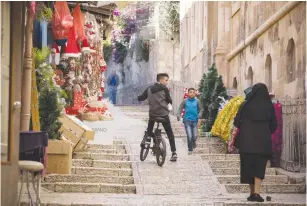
(110, 188)
(77, 187)
(82, 163)
(270, 179)
(96, 171)
(286, 188)
(129, 189)
(224, 164)
(241, 188)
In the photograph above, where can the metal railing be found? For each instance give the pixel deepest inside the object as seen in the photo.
(293, 154)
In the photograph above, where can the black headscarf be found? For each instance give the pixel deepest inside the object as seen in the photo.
(258, 105)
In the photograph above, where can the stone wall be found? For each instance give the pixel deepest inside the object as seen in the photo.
(270, 57)
(221, 32)
(136, 76)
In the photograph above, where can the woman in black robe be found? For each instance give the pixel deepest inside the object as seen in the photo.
(256, 121)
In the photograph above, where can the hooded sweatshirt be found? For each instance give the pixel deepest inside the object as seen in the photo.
(158, 98)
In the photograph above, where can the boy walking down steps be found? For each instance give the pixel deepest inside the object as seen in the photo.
(193, 111)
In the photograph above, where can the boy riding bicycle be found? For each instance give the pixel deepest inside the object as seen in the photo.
(193, 111)
(159, 98)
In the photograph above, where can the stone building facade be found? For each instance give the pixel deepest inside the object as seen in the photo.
(250, 42)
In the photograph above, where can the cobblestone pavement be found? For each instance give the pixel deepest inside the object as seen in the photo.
(189, 181)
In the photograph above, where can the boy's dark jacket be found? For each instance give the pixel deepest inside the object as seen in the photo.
(158, 98)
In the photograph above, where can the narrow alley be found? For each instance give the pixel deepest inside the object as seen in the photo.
(110, 172)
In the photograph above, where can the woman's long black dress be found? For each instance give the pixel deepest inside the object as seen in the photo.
(256, 121)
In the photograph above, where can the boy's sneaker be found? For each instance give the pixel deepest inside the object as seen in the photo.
(174, 157)
(190, 152)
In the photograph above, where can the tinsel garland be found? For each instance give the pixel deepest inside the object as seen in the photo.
(222, 124)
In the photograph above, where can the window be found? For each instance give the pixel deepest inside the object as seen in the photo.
(235, 83)
(290, 63)
(249, 77)
(268, 72)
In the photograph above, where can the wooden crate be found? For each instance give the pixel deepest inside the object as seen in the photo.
(76, 132)
(59, 157)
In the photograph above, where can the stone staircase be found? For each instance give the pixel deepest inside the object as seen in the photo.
(99, 169)
(226, 167)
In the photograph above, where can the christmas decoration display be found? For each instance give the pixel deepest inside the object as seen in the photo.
(79, 71)
(71, 50)
(223, 123)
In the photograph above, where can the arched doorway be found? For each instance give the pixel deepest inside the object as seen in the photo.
(235, 83)
(249, 77)
(268, 72)
(290, 63)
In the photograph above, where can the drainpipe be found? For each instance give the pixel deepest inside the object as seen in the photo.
(26, 75)
(263, 28)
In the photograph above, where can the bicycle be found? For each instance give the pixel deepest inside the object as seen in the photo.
(159, 145)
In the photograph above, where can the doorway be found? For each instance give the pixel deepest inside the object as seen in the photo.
(12, 27)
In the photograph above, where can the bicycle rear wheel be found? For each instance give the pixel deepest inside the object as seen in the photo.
(144, 152)
(161, 152)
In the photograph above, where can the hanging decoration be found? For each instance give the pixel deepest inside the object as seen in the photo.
(62, 21)
(78, 20)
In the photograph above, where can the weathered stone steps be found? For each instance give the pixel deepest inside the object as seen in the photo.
(68, 187)
(100, 163)
(235, 179)
(101, 171)
(227, 164)
(54, 178)
(236, 171)
(233, 157)
(106, 151)
(267, 188)
(100, 147)
(100, 156)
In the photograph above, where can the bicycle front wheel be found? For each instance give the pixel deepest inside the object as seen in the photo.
(144, 152)
(161, 152)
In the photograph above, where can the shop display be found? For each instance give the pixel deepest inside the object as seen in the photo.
(223, 122)
(277, 136)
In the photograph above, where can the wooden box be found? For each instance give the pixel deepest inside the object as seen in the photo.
(59, 157)
(76, 132)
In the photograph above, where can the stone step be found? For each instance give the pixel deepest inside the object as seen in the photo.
(101, 171)
(236, 171)
(267, 188)
(233, 157)
(235, 179)
(68, 187)
(124, 180)
(106, 151)
(100, 163)
(227, 164)
(99, 146)
(258, 204)
(100, 156)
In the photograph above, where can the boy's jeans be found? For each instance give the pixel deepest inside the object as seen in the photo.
(191, 130)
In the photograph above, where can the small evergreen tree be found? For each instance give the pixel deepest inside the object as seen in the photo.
(201, 83)
(50, 111)
(219, 91)
(208, 85)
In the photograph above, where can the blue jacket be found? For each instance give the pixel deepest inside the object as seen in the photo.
(193, 109)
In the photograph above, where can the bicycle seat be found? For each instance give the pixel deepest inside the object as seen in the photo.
(159, 119)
